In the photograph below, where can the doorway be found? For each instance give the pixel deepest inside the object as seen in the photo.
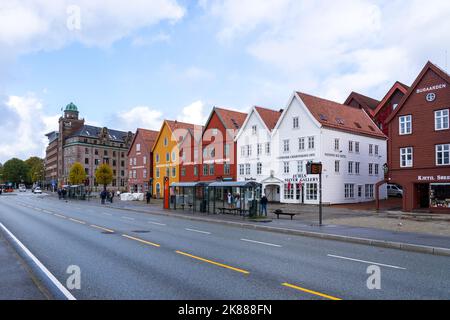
(272, 193)
(423, 195)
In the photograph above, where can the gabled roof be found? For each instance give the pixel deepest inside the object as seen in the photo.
(230, 119)
(428, 66)
(174, 125)
(341, 117)
(149, 137)
(269, 116)
(369, 104)
(397, 86)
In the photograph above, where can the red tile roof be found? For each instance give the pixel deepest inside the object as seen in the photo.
(369, 104)
(397, 86)
(269, 116)
(231, 119)
(339, 116)
(149, 136)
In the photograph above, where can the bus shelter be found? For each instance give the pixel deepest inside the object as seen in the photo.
(190, 196)
(76, 192)
(234, 197)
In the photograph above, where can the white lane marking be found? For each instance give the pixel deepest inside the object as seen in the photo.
(46, 211)
(259, 242)
(105, 213)
(157, 223)
(368, 262)
(128, 218)
(199, 231)
(52, 278)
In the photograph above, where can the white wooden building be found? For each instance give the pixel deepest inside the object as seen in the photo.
(350, 146)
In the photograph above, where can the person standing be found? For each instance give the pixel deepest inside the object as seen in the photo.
(111, 197)
(229, 200)
(148, 196)
(263, 207)
(103, 196)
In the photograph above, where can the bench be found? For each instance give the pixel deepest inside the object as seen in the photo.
(278, 212)
(228, 210)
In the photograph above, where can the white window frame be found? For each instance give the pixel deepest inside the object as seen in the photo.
(286, 167)
(259, 168)
(295, 123)
(405, 152)
(440, 118)
(301, 144)
(443, 151)
(403, 122)
(286, 145)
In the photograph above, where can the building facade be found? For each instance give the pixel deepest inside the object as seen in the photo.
(90, 146)
(344, 139)
(51, 161)
(139, 163)
(419, 147)
(218, 145)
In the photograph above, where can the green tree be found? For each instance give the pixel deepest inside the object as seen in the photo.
(104, 175)
(77, 174)
(1, 173)
(36, 171)
(15, 171)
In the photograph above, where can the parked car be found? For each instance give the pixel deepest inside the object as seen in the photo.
(394, 190)
(37, 190)
(22, 188)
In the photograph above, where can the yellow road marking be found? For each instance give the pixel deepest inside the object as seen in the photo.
(61, 216)
(140, 240)
(77, 221)
(213, 262)
(310, 291)
(101, 228)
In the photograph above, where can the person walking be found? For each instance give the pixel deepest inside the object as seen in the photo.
(64, 192)
(59, 194)
(111, 196)
(148, 196)
(263, 203)
(103, 196)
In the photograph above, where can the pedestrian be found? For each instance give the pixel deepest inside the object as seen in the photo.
(229, 200)
(64, 192)
(263, 205)
(148, 196)
(103, 196)
(238, 201)
(112, 197)
(59, 193)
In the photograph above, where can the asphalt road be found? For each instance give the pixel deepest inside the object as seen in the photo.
(128, 255)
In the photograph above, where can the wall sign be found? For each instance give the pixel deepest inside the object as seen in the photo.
(431, 97)
(432, 88)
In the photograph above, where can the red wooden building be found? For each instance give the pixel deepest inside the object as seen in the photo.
(190, 155)
(419, 142)
(140, 166)
(218, 146)
(360, 101)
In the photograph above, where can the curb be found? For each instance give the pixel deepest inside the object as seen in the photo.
(365, 241)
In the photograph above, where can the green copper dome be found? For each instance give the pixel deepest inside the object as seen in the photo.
(71, 107)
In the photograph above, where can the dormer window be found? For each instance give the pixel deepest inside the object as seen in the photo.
(254, 129)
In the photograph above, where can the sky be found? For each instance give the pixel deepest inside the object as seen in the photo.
(130, 64)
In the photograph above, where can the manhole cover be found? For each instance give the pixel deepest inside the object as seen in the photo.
(140, 231)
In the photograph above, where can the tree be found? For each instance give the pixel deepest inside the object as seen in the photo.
(1, 173)
(104, 175)
(36, 171)
(15, 171)
(77, 174)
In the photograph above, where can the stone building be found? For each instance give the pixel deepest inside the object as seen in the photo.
(89, 145)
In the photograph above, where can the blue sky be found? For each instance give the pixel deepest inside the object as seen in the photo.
(132, 64)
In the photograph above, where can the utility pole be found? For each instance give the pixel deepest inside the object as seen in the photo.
(316, 168)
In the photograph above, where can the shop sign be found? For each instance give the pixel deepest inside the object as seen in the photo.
(433, 178)
(435, 87)
(301, 178)
(336, 155)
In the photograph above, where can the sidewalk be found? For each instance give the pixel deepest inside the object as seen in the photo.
(16, 281)
(412, 241)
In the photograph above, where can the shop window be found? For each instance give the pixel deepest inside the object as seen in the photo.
(440, 195)
(349, 191)
(311, 191)
(289, 191)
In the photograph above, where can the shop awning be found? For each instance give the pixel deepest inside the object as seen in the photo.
(188, 184)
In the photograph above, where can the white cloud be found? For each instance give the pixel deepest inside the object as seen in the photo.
(27, 25)
(194, 113)
(143, 41)
(333, 47)
(138, 117)
(23, 126)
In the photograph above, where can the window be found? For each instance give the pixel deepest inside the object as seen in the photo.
(134, 174)
(86, 160)
(259, 149)
(441, 120)
(227, 150)
(249, 150)
(356, 147)
(443, 154)
(350, 146)
(301, 144)
(370, 168)
(166, 142)
(145, 173)
(157, 158)
(138, 147)
(183, 172)
(226, 168)
(195, 171)
(174, 156)
(350, 167)
(369, 191)
(336, 144)
(357, 165)
(310, 142)
(174, 172)
(205, 169)
(167, 157)
(248, 169)
(131, 161)
(406, 157)
(336, 166)
(286, 167)
(370, 149)
(114, 163)
(376, 149)
(241, 169)
(405, 125)
(243, 151)
(349, 191)
(377, 168)
(259, 168)
(394, 106)
(311, 191)
(295, 123)
(267, 147)
(288, 191)
(359, 191)
(214, 132)
(299, 166)
(145, 160)
(254, 129)
(167, 172)
(286, 145)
